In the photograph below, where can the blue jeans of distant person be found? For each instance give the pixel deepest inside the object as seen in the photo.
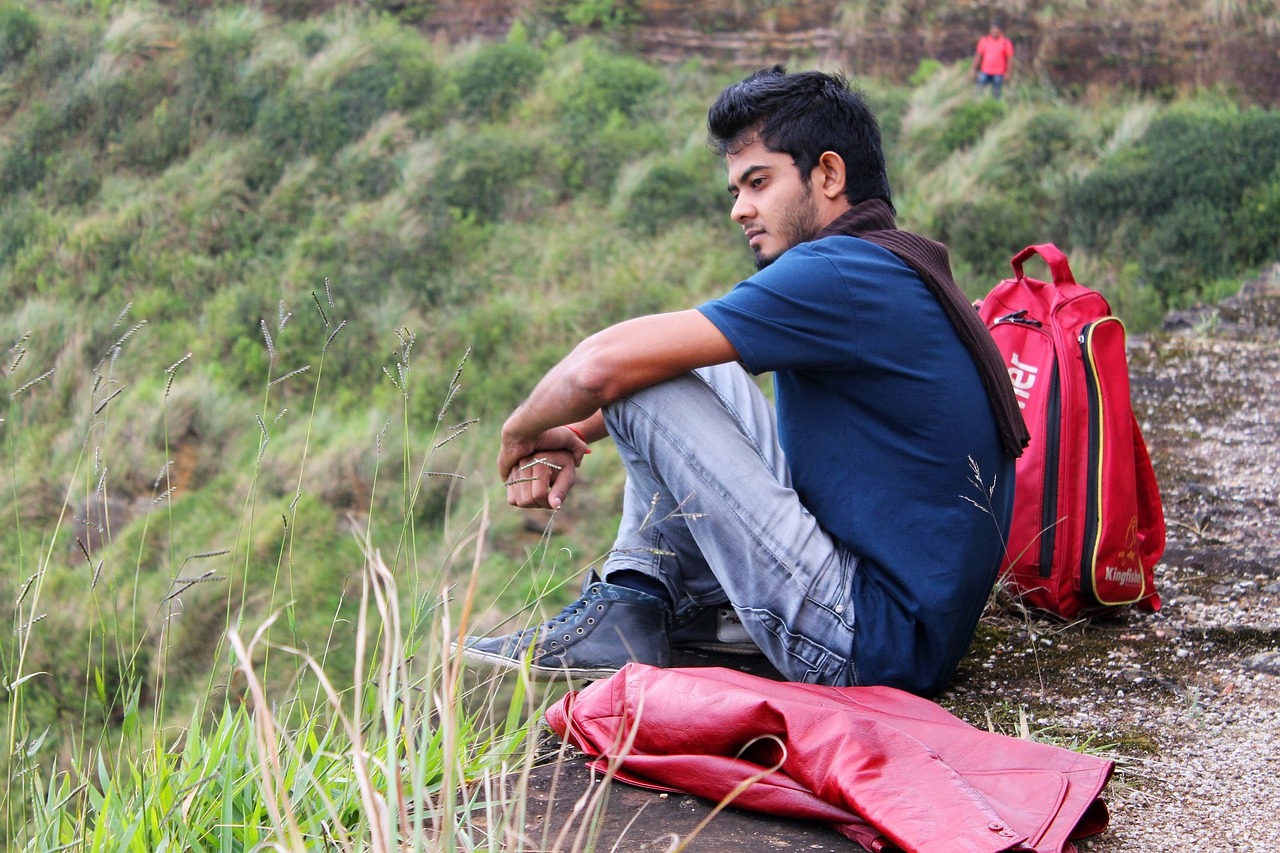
(996, 81)
(709, 511)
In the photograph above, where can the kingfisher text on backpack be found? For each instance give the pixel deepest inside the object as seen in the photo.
(1088, 526)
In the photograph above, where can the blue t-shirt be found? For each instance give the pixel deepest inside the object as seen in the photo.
(884, 423)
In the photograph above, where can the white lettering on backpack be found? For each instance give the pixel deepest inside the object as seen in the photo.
(1023, 377)
(1124, 577)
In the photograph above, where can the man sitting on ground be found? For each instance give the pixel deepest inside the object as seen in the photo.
(856, 529)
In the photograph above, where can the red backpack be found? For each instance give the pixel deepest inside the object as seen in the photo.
(1088, 526)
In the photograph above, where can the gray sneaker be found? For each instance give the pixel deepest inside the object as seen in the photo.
(595, 636)
(712, 629)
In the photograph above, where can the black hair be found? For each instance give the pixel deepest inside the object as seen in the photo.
(803, 115)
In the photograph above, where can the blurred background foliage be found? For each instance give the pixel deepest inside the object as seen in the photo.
(254, 250)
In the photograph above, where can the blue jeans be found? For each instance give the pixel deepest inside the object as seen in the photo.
(709, 511)
(996, 81)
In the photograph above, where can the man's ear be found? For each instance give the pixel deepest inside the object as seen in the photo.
(829, 175)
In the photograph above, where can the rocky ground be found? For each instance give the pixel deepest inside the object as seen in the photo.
(1186, 700)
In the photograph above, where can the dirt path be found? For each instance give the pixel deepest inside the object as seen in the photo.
(1188, 699)
(1209, 394)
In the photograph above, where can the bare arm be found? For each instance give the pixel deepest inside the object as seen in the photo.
(605, 367)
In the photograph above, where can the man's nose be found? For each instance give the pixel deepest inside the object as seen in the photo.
(742, 210)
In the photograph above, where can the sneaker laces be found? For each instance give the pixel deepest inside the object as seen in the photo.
(564, 616)
(571, 610)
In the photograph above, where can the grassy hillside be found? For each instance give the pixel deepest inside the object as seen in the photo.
(271, 286)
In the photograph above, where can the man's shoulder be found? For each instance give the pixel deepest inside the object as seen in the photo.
(814, 256)
(845, 245)
(846, 253)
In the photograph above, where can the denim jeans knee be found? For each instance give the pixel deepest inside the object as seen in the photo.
(704, 464)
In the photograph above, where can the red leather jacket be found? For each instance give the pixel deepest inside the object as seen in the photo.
(887, 768)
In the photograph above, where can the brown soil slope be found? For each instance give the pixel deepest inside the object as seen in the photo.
(1162, 48)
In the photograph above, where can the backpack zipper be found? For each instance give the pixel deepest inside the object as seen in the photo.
(1052, 438)
(1092, 504)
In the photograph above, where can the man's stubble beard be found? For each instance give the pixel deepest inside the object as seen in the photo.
(799, 225)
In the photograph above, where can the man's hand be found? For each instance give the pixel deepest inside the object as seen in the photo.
(542, 481)
(605, 367)
(539, 472)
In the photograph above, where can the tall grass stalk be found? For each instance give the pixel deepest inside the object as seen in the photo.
(398, 763)
(24, 743)
(395, 754)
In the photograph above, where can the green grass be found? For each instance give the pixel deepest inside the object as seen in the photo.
(397, 764)
(285, 688)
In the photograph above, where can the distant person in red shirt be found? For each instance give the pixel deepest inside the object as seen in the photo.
(992, 60)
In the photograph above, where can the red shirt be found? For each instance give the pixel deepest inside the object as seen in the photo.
(994, 53)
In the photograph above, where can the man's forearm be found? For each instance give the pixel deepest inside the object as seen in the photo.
(558, 399)
(612, 363)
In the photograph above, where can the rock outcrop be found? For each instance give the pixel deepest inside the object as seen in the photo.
(1159, 49)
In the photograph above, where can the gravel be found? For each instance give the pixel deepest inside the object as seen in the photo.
(1187, 700)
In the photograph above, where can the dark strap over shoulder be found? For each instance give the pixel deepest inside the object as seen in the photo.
(873, 221)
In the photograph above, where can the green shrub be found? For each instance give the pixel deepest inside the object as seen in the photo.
(75, 178)
(215, 96)
(601, 88)
(375, 246)
(149, 144)
(985, 233)
(1177, 199)
(409, 11)
(1050, 137)
(231, 323)
(889, 104)
(1185, 249)
(1257, 224)
(368, 177)
(671, 189)
(595, 167)
(302, 121)
(120, 103)
(1136, 303)
(969, 121)
(23, 159)
(1212, 157)
(608, 15)
(480, 169)
(22, 222)
(19, 33)
(99, 248)
(333, 105)
(926, 69)
(491, 80)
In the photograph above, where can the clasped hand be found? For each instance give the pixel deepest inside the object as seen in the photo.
(540, 473)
